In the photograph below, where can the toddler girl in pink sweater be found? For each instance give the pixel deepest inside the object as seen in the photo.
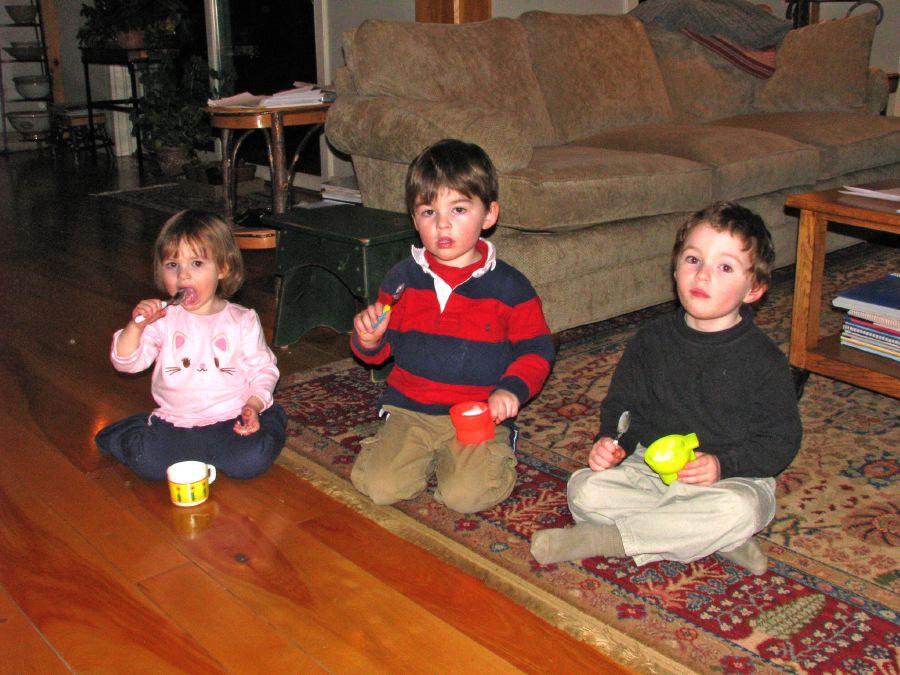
(213, 376)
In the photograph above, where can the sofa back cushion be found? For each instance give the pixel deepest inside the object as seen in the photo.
(483, 63)
(596, 72)
(821, 67)
(702, 86)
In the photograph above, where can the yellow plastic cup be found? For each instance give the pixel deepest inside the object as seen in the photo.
(668, 455)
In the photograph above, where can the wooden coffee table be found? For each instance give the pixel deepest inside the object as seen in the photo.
(825, 355)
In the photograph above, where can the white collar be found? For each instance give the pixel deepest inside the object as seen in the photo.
(441, 287)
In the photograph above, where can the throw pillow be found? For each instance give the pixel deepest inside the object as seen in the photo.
(821, 67)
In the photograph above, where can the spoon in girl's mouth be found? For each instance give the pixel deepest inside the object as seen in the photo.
(176, 299)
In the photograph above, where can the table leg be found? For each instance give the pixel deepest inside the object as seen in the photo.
(280, 187)
(90, 109)
(227, 183)
(810, 269)
(132, 74)
(307, 137)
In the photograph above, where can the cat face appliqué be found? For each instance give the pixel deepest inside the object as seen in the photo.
(183, 351)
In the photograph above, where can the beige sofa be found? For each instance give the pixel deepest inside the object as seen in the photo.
(607, 133)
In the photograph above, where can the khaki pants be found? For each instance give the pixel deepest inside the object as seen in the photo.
(670, 522)
(396, 463)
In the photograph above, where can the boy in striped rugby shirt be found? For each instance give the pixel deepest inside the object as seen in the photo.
(466, 327)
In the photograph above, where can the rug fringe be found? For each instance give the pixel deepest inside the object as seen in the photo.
(615, 644)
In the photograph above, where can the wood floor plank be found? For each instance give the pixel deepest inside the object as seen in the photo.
(23, 648)
(486, 615)
(295, 499)
(122, 539)
(332, 608)
(240, 639)
(92, 616)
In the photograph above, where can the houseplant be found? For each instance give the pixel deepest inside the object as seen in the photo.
(170, 116)
(132, 24)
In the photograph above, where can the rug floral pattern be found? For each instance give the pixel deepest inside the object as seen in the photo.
(828, 602)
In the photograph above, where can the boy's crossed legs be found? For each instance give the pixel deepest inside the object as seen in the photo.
(629, 511)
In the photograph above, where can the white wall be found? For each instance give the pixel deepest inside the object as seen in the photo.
(886, 48)
(514, 8)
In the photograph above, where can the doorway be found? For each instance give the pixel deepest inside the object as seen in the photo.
(269, 44)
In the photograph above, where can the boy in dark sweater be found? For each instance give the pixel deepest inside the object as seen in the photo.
(706, 369)
(463, 326)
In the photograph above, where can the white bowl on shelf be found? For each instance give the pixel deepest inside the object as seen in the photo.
(32, 124)
(22, 13)
(32, 86)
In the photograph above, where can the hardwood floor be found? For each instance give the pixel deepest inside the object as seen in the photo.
(99, 573)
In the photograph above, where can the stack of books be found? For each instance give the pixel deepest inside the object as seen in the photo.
(872, 323)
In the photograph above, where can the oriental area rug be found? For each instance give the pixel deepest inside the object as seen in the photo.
(829, 600)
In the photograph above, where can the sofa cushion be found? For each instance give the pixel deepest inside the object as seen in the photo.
(569, 187)
(484, 63)
(821, 67)
(740, 21)
(396, 129)
(847, 142)
(701, 85)
(596, 72)
(744, 161)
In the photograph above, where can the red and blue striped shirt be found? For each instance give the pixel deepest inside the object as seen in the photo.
(460, 343)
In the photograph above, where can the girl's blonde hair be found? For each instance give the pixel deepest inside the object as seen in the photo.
(208, 236)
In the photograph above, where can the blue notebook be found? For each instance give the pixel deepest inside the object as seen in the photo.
(880, 297)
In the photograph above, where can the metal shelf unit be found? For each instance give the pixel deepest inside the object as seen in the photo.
(10, 99)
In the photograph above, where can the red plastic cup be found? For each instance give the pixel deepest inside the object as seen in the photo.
(473, 422)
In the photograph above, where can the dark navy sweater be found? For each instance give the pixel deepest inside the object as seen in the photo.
(732, 388)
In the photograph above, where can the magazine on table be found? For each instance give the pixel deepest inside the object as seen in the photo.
(303, 93)
(888, 194)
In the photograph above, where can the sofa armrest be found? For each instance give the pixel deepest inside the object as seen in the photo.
(877, 91)
(397, 129)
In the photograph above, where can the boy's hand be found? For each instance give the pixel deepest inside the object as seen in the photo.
(248, 423)
(605, 454)
(704, 470)
(367, 332)
(503, 405)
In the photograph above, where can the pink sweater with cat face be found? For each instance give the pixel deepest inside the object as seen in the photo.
(206, 366)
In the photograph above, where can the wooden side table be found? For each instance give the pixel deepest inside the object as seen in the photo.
(272, 122)
(809, 351)
(331, 260)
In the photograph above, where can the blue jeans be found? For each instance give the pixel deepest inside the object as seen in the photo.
(149, 444)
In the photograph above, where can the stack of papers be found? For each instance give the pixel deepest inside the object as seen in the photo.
(303, 93)
(341, 189)
(890, 194)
